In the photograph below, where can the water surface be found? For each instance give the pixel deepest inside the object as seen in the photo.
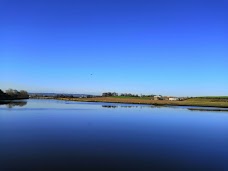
(62, 135)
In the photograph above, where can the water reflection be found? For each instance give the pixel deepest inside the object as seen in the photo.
(126, 106)
(208, 109)
(109, 106)
(11, 104)
(201, 109)
(120, 137)
(140, 106)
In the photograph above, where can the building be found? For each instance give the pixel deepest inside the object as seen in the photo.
(157, 98)
(174, 98)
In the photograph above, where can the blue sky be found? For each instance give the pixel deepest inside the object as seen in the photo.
(168, 47)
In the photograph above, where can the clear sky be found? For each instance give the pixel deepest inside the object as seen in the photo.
(167, 47)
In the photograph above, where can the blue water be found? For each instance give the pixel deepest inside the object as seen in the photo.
(52, 135)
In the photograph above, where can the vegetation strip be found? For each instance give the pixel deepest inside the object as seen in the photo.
(190, 102)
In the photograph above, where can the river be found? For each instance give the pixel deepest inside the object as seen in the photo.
(56, 135)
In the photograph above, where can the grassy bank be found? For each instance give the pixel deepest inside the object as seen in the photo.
(204, 102)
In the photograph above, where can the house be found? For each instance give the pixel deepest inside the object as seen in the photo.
(165, 97)
(157, 98)
(174, 98)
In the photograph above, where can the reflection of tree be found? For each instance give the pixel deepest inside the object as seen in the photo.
(109, 106)
(11, 104)
(124, 106)
(128, 106)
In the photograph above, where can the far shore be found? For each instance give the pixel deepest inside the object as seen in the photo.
(190, 102)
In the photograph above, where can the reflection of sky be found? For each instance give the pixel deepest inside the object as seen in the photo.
(59, 104)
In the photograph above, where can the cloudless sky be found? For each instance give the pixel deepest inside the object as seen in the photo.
(167, 47)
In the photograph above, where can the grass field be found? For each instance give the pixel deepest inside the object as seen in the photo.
(206, 102)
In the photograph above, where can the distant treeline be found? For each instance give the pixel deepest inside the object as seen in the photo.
(57, 96)
(72, 96)
(112, 94)
(13, 94)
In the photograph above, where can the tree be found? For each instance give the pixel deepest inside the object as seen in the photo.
(1, 92)
(10, 92)
(14, 94)
(109, 94)
(23, 94)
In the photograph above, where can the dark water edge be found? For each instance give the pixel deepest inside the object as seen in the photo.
(13, 98)
(208, 110)
(54, 135)
(13, 103)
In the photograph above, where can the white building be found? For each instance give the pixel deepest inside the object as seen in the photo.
(174, 98)
(157, 98)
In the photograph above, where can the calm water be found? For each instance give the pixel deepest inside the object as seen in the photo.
(43, 135)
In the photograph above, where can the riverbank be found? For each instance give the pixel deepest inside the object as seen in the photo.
(201, 102)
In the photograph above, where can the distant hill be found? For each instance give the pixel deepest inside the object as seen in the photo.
(55, 94)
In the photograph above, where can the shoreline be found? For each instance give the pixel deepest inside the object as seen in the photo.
(209, 110)
(149, 102)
